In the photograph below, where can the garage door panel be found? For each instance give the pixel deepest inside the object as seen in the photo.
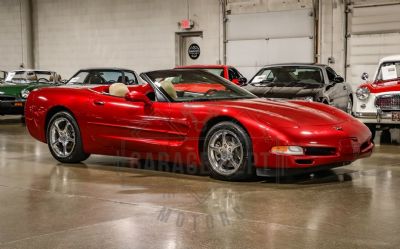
(295, 50)
(374, 33)
(364, 52)
(247, 53)
(376, 19)
(258, 39)
(270, 25)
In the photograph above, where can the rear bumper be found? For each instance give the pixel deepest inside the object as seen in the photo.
(15, 107)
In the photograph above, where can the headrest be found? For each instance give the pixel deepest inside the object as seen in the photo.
(118, 90)
(169, 87)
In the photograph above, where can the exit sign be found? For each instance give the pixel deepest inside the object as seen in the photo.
(186, 24)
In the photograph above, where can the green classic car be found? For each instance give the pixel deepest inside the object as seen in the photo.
(17, 86)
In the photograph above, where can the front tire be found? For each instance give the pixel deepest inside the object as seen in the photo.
(64, 139)
(227, 152)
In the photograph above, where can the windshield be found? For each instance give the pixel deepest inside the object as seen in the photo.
(289, 74)
(25, 77)
(389, 71)
(100, 77)
(183, 85)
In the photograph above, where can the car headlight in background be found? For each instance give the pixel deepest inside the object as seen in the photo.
(288, 150)
(25, 93)
(363, 93)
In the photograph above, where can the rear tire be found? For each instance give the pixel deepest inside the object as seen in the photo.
(64, 139)
(228, 152)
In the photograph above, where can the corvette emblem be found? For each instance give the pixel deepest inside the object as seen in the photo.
(338, 128)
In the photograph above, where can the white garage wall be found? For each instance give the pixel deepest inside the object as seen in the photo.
(15, 40)
(137, 34)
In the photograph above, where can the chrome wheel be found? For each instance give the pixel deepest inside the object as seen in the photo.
(62, 137)
(225, 152)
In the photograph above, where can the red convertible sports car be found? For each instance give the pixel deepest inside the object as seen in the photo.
(195, 118)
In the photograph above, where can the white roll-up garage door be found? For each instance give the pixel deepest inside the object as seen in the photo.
(373, 33)
(258, 39)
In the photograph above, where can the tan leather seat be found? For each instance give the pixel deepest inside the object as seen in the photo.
(169, 87)
(51, 78)
(118, 90)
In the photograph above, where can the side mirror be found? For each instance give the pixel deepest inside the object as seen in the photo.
(338, 79)
(135, 96)
(364, 76)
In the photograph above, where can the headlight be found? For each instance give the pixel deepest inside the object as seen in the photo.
(363, 93)
(288, 150)
(25, 93)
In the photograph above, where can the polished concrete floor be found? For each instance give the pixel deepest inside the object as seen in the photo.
(105, 203)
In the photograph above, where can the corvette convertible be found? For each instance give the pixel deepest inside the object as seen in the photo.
(195, 118)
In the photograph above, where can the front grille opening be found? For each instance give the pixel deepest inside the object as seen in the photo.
(319, 151)
(304, 161)
(7, 98)
(388, 102)
(364, 146)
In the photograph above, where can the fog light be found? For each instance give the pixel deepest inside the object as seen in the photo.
(288, 150)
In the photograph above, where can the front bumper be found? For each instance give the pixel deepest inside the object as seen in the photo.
(14, 107)
(376, 117)
(348, 151)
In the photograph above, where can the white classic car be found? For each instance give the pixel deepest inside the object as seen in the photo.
(378, 102)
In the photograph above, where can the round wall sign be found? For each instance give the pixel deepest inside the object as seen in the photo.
(194, 51)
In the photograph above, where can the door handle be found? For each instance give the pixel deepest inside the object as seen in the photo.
(98, 102)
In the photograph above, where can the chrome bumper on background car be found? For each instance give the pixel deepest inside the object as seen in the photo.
(378, 117)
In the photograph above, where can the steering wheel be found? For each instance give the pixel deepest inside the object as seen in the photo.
(131, 82)
(43, 80)
(210, 92)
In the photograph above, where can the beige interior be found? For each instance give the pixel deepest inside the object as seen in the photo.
(118, 90)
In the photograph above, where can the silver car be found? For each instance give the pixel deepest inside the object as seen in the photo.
(313, 82)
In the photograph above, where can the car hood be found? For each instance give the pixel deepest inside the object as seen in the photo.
(285, 90)
(12, 89)
(285, 113)
(15, 89)
(383, 86)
